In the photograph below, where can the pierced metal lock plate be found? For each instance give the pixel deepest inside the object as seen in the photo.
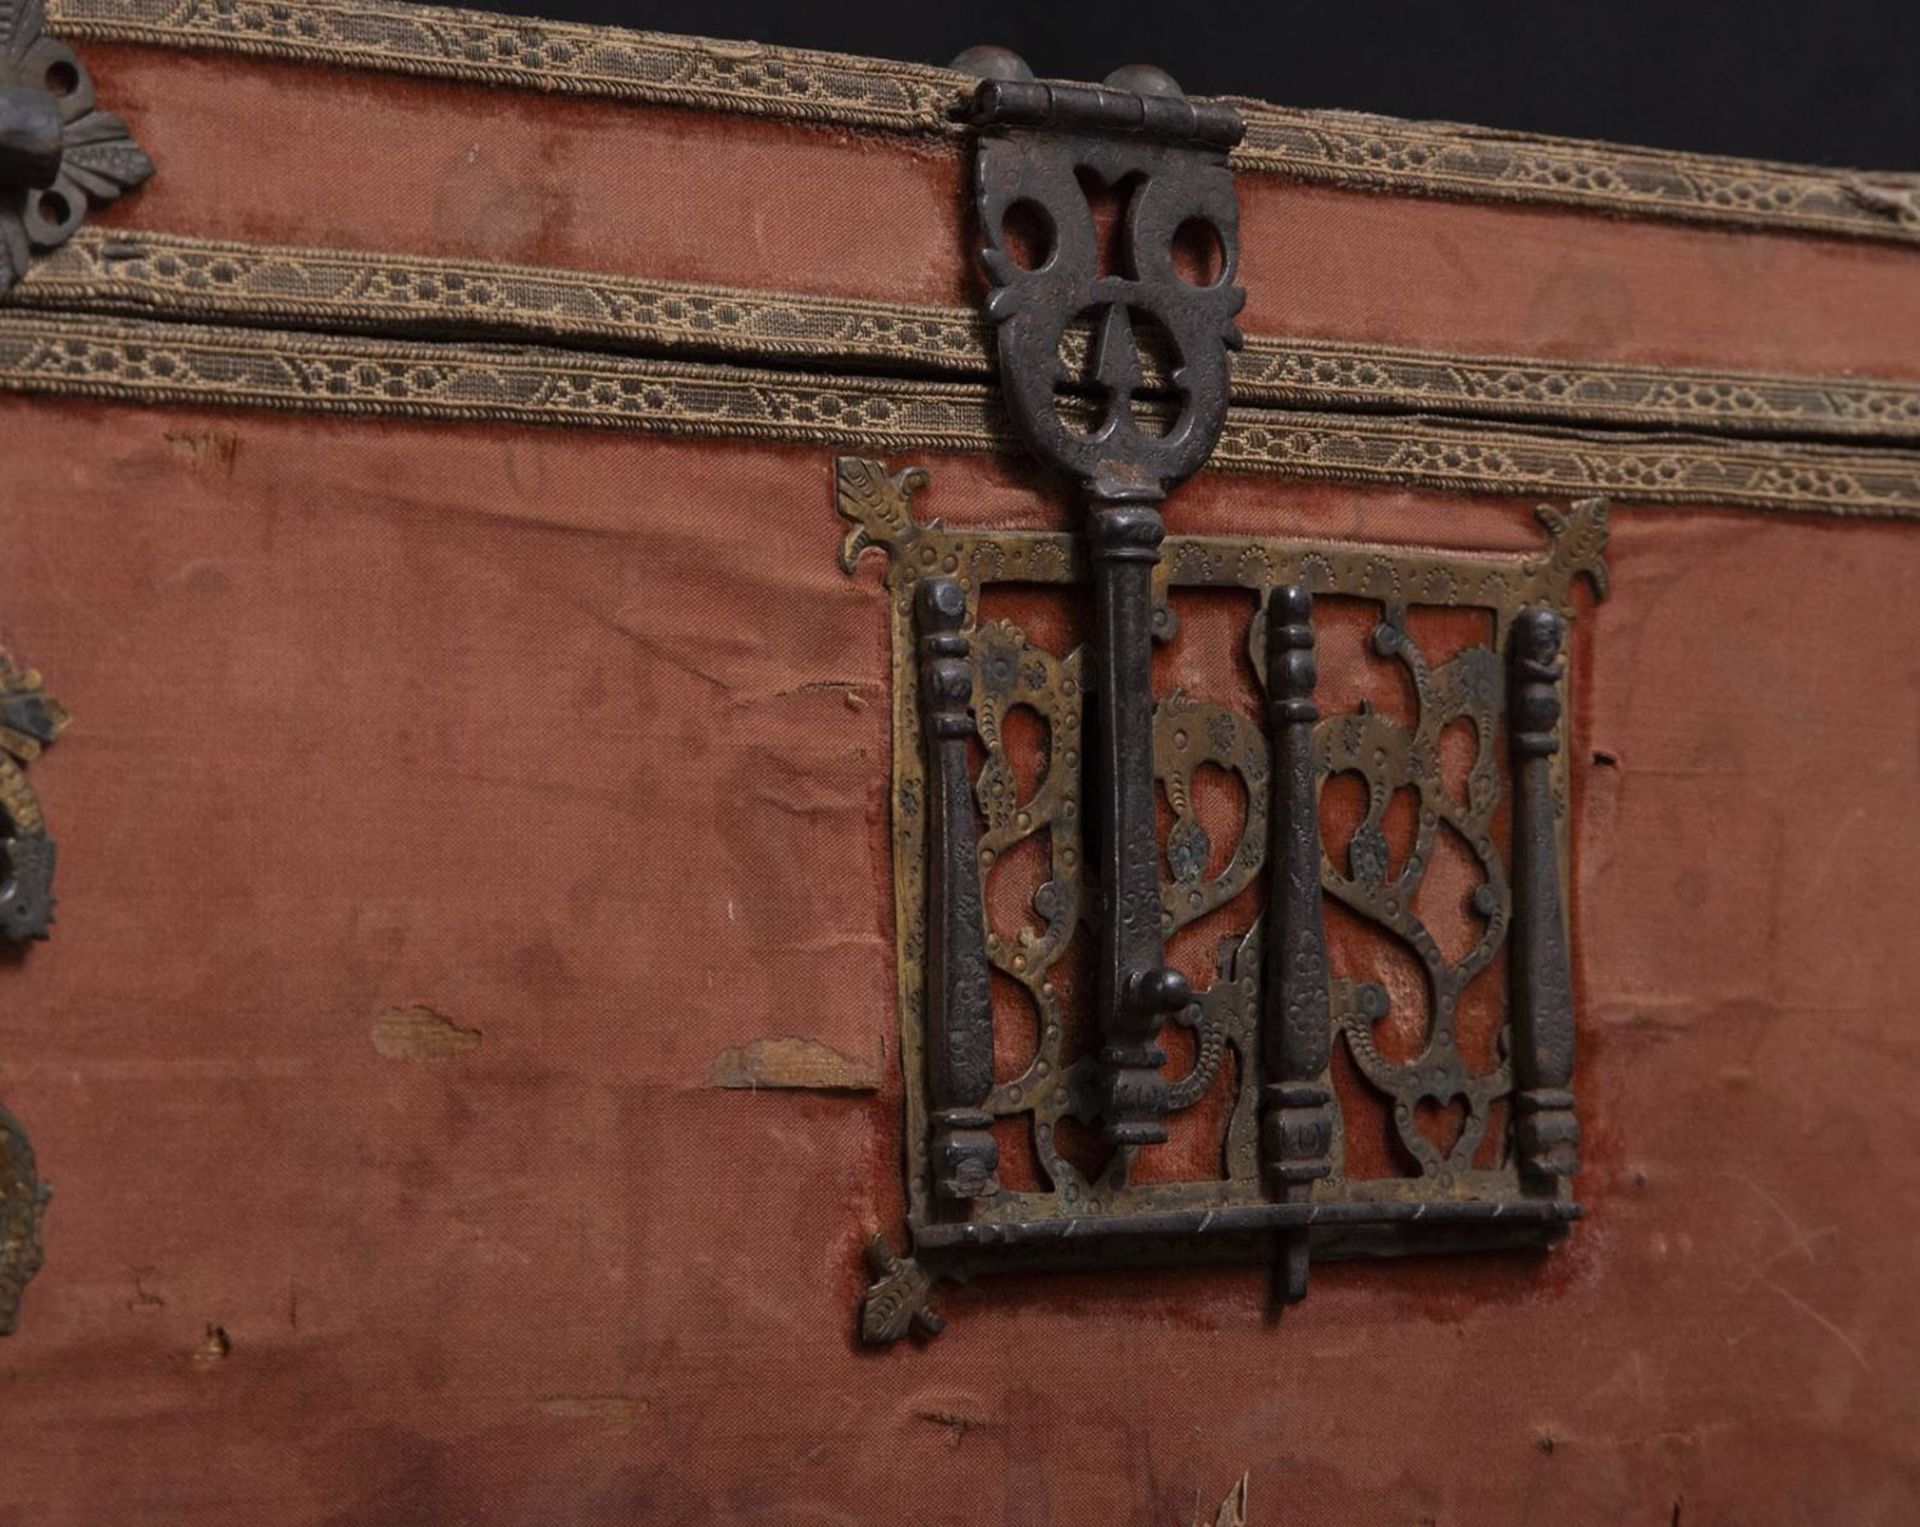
(1266, 1029)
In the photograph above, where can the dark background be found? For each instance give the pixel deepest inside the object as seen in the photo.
(1824, 83)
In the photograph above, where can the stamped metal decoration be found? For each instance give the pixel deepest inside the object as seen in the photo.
(23, 1203)
(29, 719)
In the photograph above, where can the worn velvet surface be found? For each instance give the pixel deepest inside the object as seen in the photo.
(444, 804)
(364, 161)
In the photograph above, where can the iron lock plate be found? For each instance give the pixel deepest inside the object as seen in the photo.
(1111, 804)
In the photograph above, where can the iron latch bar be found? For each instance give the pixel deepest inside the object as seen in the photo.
(1040, 145)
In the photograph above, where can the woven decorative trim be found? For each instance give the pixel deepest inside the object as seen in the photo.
(177, 278)
(132, 361)
(1322, 372)
(1434, 159)
(1482, 164)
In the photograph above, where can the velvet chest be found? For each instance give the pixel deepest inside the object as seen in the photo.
(706, 709)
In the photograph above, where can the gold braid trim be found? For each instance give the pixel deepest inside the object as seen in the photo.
(176, 277)
(186, 279)
(1341, 148)
(140, 362)
(1483, 164)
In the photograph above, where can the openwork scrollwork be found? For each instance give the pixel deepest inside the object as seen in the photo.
(1255, 1016)
(1391, 757)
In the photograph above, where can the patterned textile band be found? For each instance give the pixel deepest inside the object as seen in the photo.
(169, 276)
(145, 362)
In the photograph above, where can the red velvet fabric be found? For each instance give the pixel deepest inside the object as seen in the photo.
(374, 162)
(577, 743)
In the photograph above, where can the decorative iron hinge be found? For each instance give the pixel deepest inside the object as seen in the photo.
(59, 153)
(1110, 230)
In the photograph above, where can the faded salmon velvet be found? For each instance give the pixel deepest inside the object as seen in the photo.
(570, 751)
(356, 161)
